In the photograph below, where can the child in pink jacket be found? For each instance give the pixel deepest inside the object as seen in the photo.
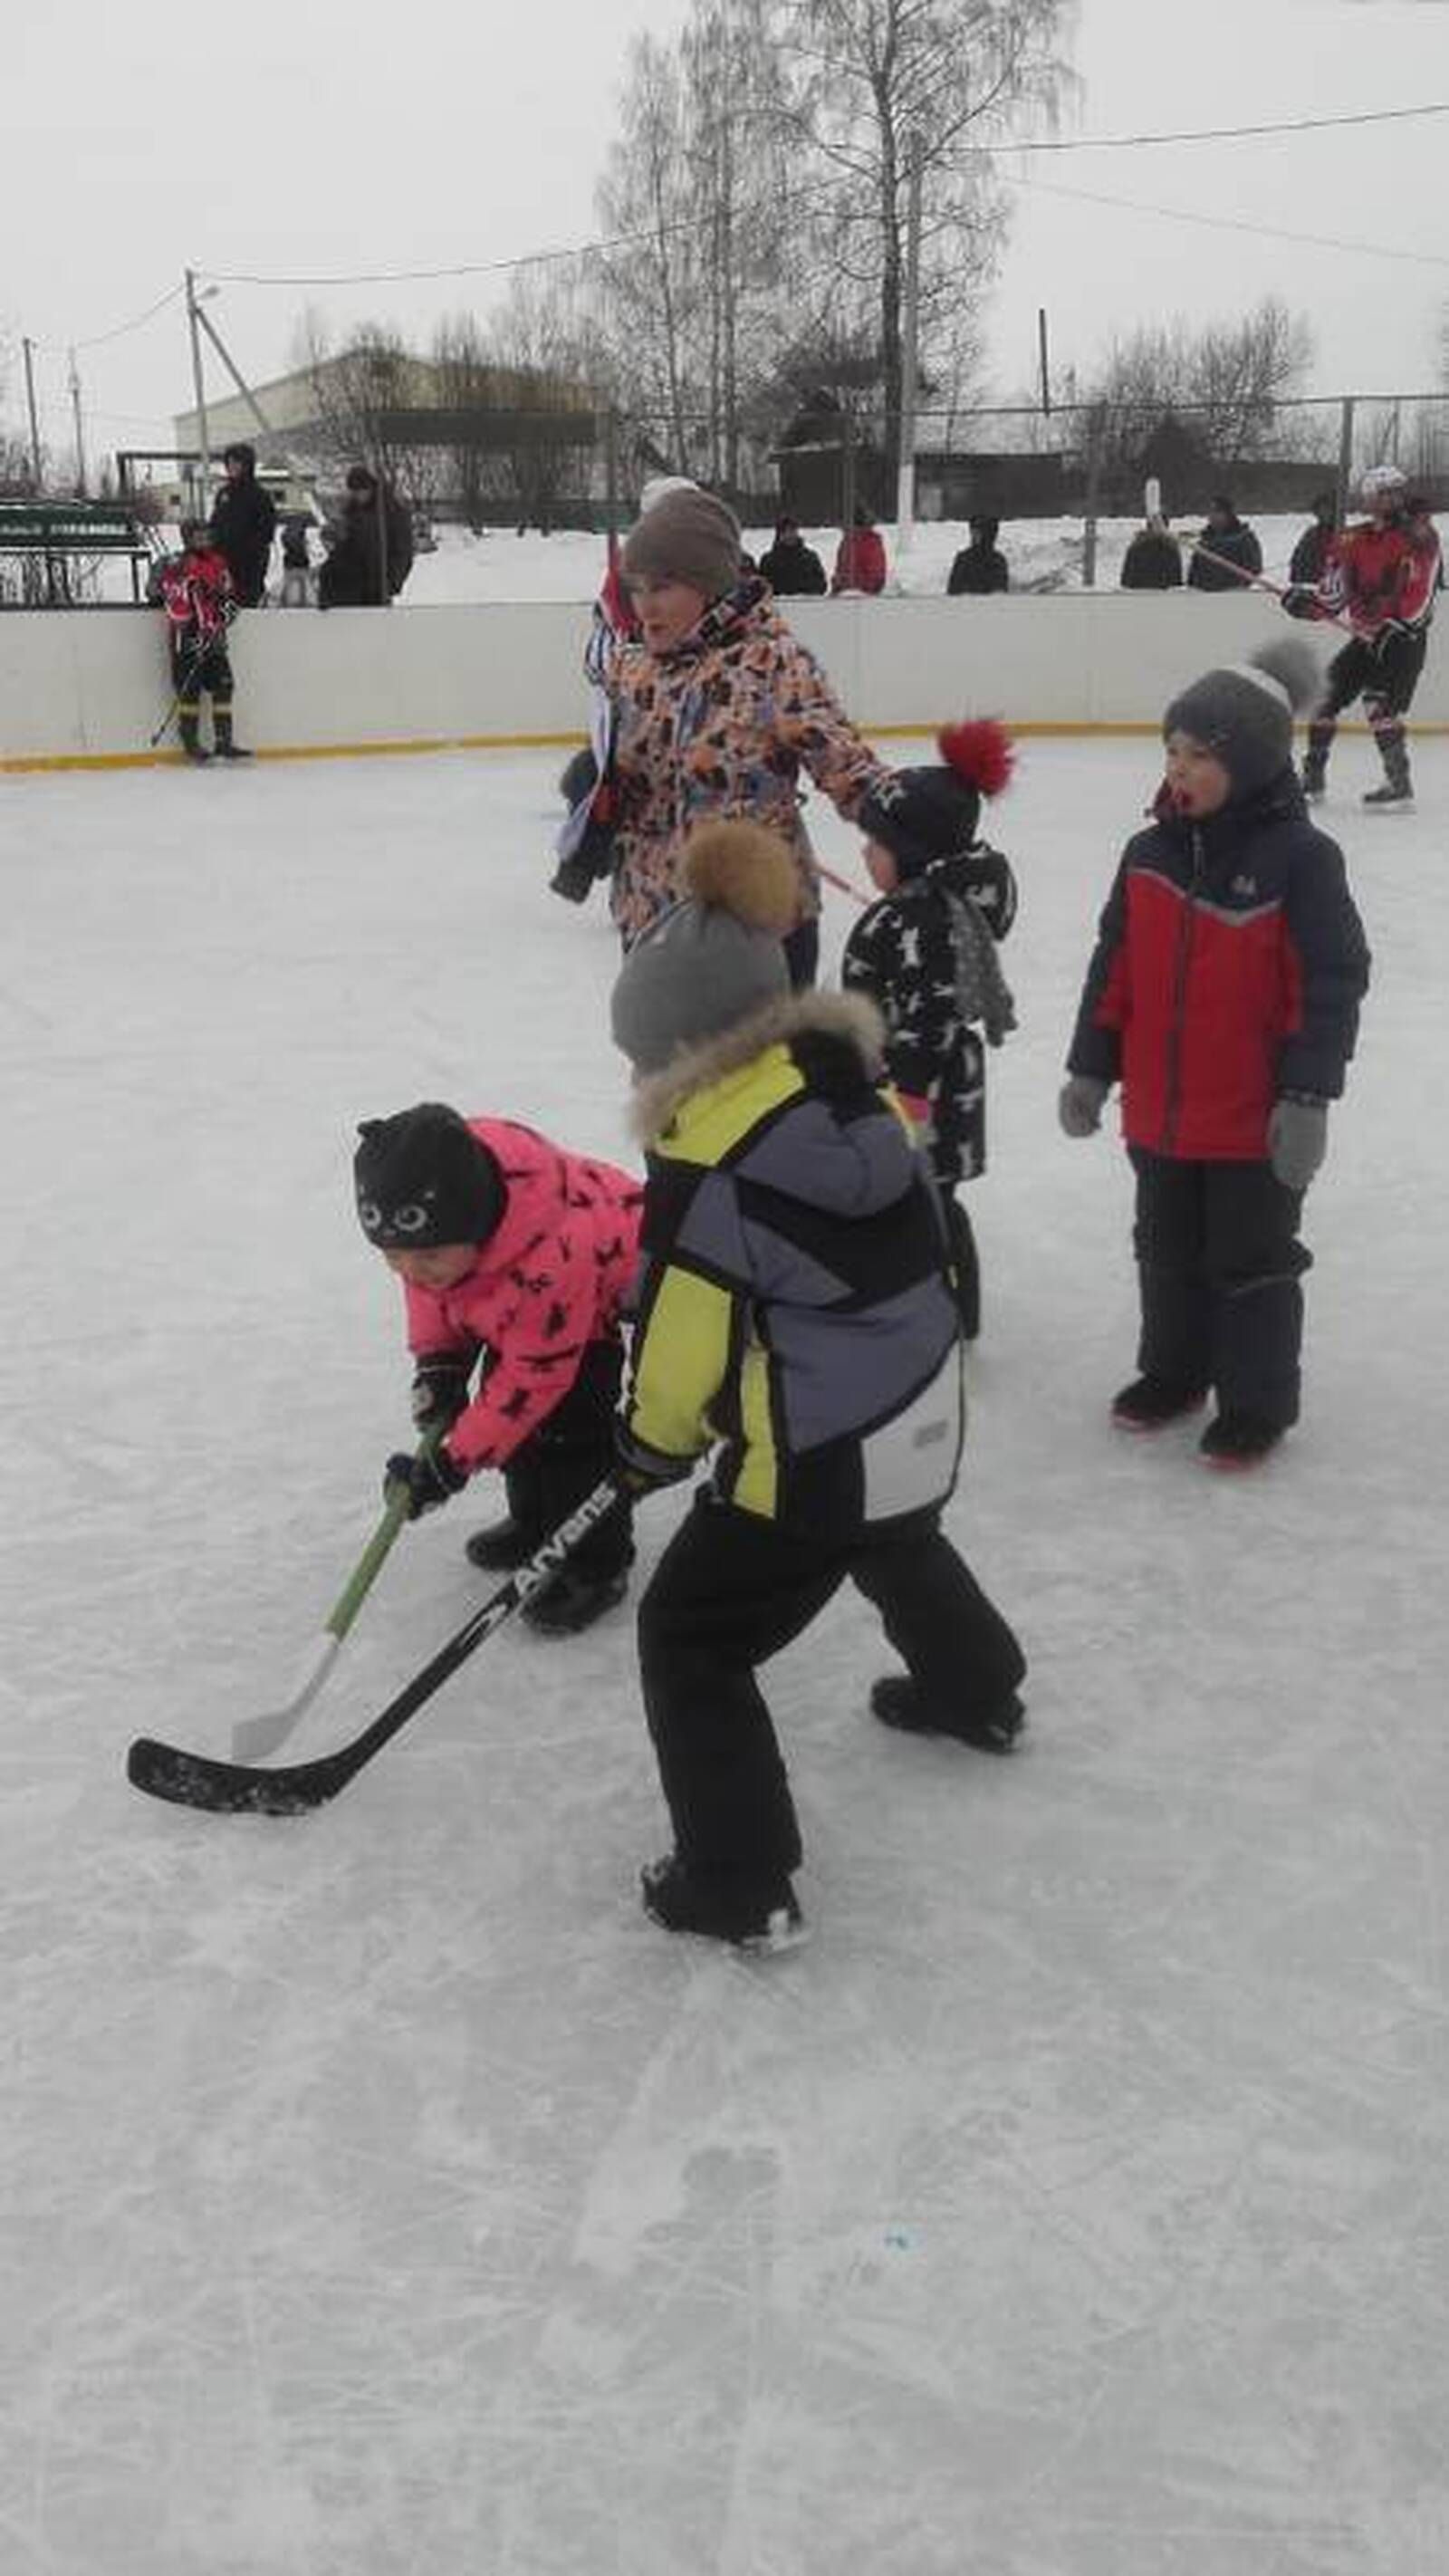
(516, 1259)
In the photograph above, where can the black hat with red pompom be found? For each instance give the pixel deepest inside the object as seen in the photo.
(925, 814)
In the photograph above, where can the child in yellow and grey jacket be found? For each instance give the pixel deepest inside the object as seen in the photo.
(796, 1318)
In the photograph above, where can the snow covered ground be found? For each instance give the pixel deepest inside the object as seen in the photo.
(383, 2195)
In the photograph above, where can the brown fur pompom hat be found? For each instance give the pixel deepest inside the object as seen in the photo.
(715, 957)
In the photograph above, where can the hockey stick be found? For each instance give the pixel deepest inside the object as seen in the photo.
(295, 1788)
(1259, 581)
(843, 884)
(255, 1737)
(187, 677)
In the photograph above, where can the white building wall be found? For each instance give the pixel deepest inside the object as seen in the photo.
(86, 685)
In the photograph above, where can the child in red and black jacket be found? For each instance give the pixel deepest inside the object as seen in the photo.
(1223, 994)
(517, 1260)
(926, 956)
(196, 590)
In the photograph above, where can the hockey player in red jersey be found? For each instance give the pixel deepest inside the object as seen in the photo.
(1382, 575)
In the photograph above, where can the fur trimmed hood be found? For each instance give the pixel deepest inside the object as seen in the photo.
(658, 1099)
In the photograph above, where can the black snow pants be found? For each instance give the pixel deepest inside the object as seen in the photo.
(1219, 1265)
(730, 1591)
(563, 1460)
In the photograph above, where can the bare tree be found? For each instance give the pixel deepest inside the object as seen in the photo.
(362, 391)
(545, 341)
(1221, 385)
(876, 84)
(651, 273)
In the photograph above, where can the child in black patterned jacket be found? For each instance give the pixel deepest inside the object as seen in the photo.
(925, 954)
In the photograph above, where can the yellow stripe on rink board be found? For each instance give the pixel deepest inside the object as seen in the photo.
(1022, 728)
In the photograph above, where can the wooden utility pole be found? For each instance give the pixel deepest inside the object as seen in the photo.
(28, 346)
(910, 343)
(80, 436)
(203, 434)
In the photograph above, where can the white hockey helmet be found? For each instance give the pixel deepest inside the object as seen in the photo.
(1378, 482)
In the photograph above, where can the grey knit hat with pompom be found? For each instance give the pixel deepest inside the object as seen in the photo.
(1243, 714)
(717, 956)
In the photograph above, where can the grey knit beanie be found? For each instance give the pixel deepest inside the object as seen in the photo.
(1244, 713)
(715, 958)
(686, 536)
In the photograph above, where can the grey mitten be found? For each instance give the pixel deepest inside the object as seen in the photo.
(1297, 1138)
(1080, 1104)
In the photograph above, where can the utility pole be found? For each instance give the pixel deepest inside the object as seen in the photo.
(910, 337)
(203, 435)
(80, 436)
(1345, 457)
(238, 379)
(28, 347)
(1046, 381)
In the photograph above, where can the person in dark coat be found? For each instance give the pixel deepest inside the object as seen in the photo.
(980, 568)
(792, 569)
(1223, 994)
(373, 553)
(243, 522)
(925, 956)
(1232, 541)
(1153, 560)
(1309, 559)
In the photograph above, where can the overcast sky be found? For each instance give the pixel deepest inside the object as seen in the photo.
(315, 140)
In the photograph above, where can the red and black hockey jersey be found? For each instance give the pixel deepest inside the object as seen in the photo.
(1383, 574)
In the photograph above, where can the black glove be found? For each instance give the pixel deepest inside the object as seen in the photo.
(431, 1479)
(440, 1391)
(1301, 599)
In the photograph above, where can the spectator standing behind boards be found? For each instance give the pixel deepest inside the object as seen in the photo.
(372, 554)
(1153, 560)
(860, 558)
(981, 567)
(792, 569)
(716, 710)
(1232, 541)
(243, 520)
(297, 583)
(1309, 559)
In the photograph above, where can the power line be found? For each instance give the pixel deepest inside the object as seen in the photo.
(98, 338)
(1233, 224)
(1216, 133)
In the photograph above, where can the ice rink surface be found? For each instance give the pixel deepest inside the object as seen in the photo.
(382, 2195)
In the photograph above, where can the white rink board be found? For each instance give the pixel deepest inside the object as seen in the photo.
(78, 684)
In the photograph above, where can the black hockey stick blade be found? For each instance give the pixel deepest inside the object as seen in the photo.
(295, 1788)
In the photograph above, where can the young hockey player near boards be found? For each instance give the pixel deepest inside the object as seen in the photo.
(195, 589)
(796, 1319)
(516, 1259)
(1223, 994)
(1383, 574)
(926, 956)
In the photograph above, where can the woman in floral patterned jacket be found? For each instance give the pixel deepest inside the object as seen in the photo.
(717, 709)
